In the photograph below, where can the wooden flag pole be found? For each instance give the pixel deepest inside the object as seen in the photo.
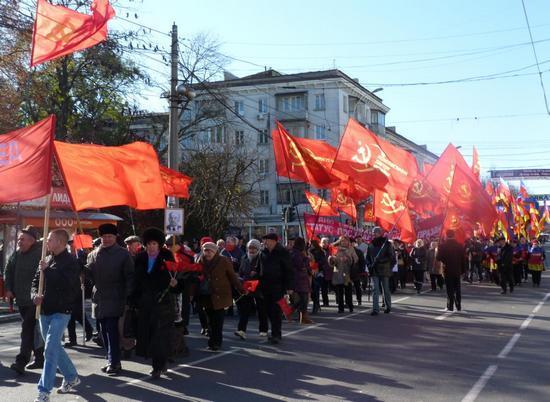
(82, 285)
(44, 249)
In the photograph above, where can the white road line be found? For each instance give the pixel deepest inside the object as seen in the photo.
(8, 349)
(444, 315)
(480, 384)
(509, 346)
(486, 376)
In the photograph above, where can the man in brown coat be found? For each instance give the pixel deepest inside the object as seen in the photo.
(215, 291)
(451, 254)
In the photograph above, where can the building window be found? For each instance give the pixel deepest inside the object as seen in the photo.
(239, 108)
(377, 117)
(264, 166)
(294, 103)
(264, 197)
(320, 132)
(297, 131)
(239, 137)
(320, 102)
(262, 105)
(284, 189)
(345, 103)
(217, 135)
(262, 137)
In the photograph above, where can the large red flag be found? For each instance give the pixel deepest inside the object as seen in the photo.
(97, 176)
(175, 184)
(459, 223)
(373, 161)
(392, 213)
(320, 207)
(295, 161)
(476, 167)
(341, 202)
(440, 177)
(59, 31)
(26, 162)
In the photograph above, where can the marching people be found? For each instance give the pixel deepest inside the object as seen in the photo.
(276, 280)
(504, 265)
(524, 255)
(321, 261)
(517, 262)
(358, 269)
(342, 263)
(19, 274)
(536, 260)
(112, 271)
(133, 245)
(232, 252)
(418, 257)
(61, 287)
(216, 289)
(475, 256)
(402, 262)
(302, 278)
(380, 260)
(326, 283)
(153, 296)
(435, 267)
(451, 254)
(250, 271)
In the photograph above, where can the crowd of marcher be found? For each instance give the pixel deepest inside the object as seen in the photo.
(145, 294)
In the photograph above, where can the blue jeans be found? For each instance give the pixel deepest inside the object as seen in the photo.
(55, 356)
(376, 281)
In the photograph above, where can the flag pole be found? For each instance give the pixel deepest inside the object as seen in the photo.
(82, 284)
(44, 249)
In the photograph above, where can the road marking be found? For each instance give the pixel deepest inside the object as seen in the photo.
(445, 315)
(480, 384)
(486, 376)
(8, 349)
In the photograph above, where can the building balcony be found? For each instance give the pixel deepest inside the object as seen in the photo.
(295, 115)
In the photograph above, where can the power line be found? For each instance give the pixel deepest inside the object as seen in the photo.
(536, 57)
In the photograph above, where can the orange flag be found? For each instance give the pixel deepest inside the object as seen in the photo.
(341, 202)
(26, 162)
(175, 184)
(296, 161)
(59, 31)
(476, 167)
(372, 161)
(320, 207)
(97, 176)
(392, 213)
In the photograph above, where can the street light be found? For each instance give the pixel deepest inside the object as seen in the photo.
(376, 90)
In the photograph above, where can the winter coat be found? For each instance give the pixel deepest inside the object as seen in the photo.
(235, 256)
(221, 279)
(61, 284)
(505, 257)
(300, 264)
(418, 256)
(155, 318)
(359, 267)
(451, 254)
(536, 258)
(380, 257)
(321, 259)
(327, 270)
(20, 272)
(434, 266)
(250, 268)
(342, 263)
(475, 251)
(276, 273)
(112, 271)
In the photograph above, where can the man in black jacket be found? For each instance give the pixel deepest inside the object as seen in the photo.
(380, 260)
(61, 285)
(505, 265)
(276, 279)
(451, 254)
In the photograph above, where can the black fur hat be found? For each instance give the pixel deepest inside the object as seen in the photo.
(153, 234)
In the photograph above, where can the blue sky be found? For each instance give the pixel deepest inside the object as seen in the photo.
(384, 43)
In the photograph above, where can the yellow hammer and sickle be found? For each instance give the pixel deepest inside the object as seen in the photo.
(455, 223)
(449, 180)
(465, 191)
(296, 159)
(418, 187)
(388, 202)
(341, 199)
(61, 32)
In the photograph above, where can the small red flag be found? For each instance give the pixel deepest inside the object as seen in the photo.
(393, 213)
(286, 309)
(26, 162)
(175, 184)
(250, 286)
(320, 206)
(59, 31)
(82, 241)
(476, 167)
(341, 202)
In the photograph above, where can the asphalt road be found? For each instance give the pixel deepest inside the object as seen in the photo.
(496, 351)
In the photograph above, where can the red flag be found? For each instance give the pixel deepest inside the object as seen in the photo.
(82, 241)
(440, 176)
(97, 176)
(295, 161)
(320, 207)
(523, 190)
(476, 167)
(250, 286)
(175, 184)
(341, 202)
(459, 223)
(393, 213)
(372, 161)
(59, 31)
(503, 192)
(26, 162)
(285, 308)
(422, 199)
(369, 212)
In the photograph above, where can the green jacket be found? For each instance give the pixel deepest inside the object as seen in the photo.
(20, 271)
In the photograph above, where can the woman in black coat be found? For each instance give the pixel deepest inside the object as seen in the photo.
(155, 301)
(419, 259)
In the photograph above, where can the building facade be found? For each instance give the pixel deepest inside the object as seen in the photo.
(315, 105)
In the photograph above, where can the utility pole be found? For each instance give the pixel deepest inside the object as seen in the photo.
(173, 128)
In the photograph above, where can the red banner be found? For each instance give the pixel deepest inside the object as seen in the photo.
(327, 226)
(430, 228)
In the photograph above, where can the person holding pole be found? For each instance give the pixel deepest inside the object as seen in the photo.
(380, 260)
(54, 289)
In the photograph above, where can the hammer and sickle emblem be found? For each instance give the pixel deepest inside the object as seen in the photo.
(392, 207)
(418, 187)
(296, 158)
(449, 180)
(341, 199)
(61, 32)
(362, 157)
(465, 191)
(455, 222)
(316, 203)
